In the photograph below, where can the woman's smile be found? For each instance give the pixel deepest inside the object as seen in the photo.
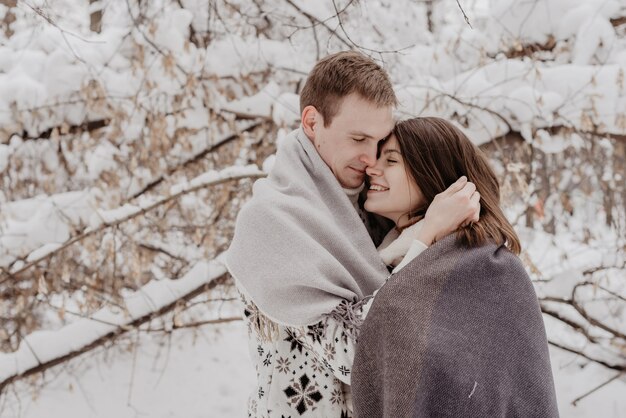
(377, 188)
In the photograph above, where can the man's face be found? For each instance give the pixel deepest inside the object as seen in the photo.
(349, 144)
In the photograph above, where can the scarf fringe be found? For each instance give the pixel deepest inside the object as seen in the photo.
(349, 314)
(266, 329)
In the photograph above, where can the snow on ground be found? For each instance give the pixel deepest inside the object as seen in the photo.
(204, 373)
(573, 378)
(209, 374)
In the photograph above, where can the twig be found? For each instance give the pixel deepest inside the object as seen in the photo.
(464, 15)
(198, 324)
(80, 315)
(580, 398)
(154, 248)
(167, 359)
(39, 12)
(620, 368)
(30, 347)
(441, 93)
(581, 310)
(150, 41)
(83, 127)
(338, 16)
(132, 371)
(314, 19)
(576, 326)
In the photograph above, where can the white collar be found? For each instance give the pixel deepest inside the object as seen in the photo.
(353, 194)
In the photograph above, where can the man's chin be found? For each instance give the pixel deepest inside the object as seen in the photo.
(351, 185)
(352, 182)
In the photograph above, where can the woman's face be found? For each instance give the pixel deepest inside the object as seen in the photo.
(392, 193)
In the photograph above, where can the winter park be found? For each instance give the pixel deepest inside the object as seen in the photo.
(132, 132)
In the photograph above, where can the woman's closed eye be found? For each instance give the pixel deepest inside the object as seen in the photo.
(358, 139)
(390, 161)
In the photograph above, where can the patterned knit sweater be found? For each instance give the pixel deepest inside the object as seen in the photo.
(303, 371)
(306, 371)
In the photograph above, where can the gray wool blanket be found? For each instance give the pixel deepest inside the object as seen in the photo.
(457, 333)
(300, 248)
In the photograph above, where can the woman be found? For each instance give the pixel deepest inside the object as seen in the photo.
(458, 331)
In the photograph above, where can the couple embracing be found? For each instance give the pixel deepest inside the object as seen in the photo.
(378, 273)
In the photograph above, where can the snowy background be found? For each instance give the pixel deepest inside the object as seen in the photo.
(131, 132)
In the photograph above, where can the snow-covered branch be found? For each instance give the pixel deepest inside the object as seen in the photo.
(44, 349)
(111, 218)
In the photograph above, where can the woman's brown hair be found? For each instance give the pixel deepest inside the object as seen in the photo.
(436, 154)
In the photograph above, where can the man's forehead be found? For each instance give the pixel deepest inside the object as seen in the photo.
(354, 105)
(375, 128)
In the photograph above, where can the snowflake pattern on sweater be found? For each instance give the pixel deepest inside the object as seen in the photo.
(303, 371)
(306, 371)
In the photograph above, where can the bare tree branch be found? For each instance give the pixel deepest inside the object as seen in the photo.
(343, 29)
(87, 126)
(121, 330)
(620, 368)
(317, 21)
(464, 14)
(197, 157)
(581, 310)
(13, 275)
(574, 325)
(197, 324)
(600, 386)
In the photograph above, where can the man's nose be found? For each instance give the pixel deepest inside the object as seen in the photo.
(369, 156)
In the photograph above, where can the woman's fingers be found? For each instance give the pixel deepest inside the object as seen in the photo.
(475, 203)
(456, 186)
(468, 189)
(473, 209)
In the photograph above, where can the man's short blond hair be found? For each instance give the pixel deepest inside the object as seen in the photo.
(338, 75)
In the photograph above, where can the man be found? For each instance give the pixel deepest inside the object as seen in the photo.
(303, 256)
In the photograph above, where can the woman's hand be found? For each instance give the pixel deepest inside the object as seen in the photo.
(459, 204)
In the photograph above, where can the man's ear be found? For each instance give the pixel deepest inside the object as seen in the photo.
(310, 120)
